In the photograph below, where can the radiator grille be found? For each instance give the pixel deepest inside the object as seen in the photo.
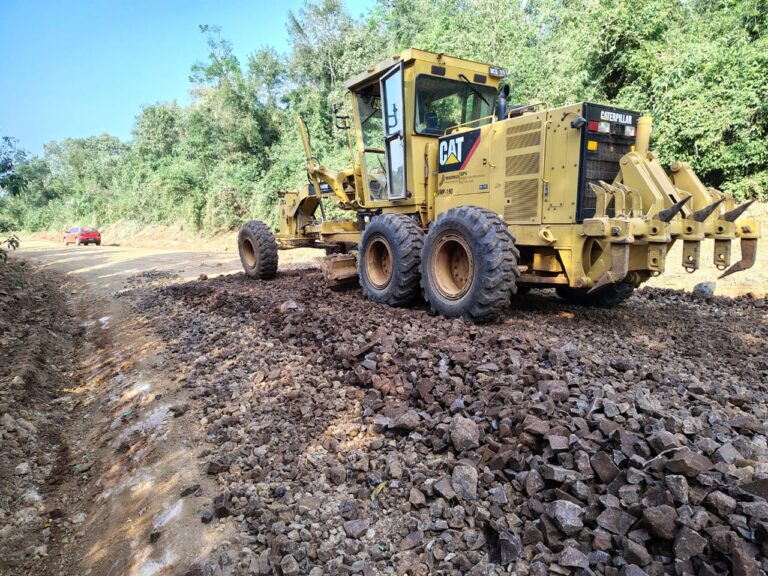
(523, 128)
(519, 164)
(521, 199)
(524, 140)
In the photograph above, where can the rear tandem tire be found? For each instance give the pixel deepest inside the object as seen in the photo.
(390, 253)
(608, 297)
(469, 264)
(258, 250)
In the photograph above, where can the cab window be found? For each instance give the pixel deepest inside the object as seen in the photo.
(372, 125)
(442, 103)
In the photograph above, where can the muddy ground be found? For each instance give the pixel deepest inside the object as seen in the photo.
(245, 427)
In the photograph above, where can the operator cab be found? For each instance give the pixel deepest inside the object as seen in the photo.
(402, 104)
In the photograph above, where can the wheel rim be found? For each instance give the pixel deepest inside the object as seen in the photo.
(249, 253)
(378, 262)
(452, 267)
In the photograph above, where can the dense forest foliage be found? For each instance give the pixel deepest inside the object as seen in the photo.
(700, 67)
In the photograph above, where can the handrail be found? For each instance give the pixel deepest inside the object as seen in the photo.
(464, 124)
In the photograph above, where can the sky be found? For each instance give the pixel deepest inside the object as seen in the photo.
(77, 68)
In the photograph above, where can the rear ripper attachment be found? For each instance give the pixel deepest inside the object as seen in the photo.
(463, 200)
(644, 211)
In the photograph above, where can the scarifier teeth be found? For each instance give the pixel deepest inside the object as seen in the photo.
(672, 211)
(605, 185)
(601, 199)
(748, 255)
(736, 212)
(704, 213)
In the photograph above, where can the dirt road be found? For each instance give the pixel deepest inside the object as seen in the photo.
(127, 444)
(103, 270)
(227, 426)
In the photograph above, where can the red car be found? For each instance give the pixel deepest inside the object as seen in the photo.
(79, 235)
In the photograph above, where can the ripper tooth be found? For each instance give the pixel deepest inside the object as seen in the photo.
(672, 211)
(704, 213)
(736, 212)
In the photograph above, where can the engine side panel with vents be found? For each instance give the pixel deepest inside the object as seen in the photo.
(516, 168)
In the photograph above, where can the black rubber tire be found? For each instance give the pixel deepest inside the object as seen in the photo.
(405, 238)
(98, 243)
(494, 272)
(258, 250)
(608, 297)
(77, 242)
(522, 290)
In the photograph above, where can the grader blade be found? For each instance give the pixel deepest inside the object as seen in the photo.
(748, 255)
(339, 270)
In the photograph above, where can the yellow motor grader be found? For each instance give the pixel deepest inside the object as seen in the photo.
(466, 200)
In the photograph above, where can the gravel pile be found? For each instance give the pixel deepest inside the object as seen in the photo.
(352, 438)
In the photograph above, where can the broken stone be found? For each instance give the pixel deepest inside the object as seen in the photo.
(566, 516)
(663, 440)
(416, 497)
(704, 290)
(721, 502)
(688, 544)
(558, 443)
(661, 521)
(413, 540)
(533, 482)
(465, 434)
(217, 467)
(289, 566)
(615, 521)
(688, 463)
(535, 425)
(338, 475)
(408, 421)
(636, 553)
(464, 481)
(572, 558)
(678, 487)
(510, 548)
(727, 453)
(444, 487)
(605, 469)
(186, 491)
(355, 528)
(743, 564)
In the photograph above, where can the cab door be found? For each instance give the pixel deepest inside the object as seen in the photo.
(394, 131)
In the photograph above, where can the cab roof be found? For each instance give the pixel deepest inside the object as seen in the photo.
(409, 55)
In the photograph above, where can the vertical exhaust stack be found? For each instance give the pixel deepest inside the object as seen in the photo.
(501, 103)
(643, 137)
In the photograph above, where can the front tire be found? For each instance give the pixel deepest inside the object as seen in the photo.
(469, 264)
(608, 297)
(258, 250)
(390, 252)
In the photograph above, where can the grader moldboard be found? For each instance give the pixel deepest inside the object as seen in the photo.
(467, 200)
